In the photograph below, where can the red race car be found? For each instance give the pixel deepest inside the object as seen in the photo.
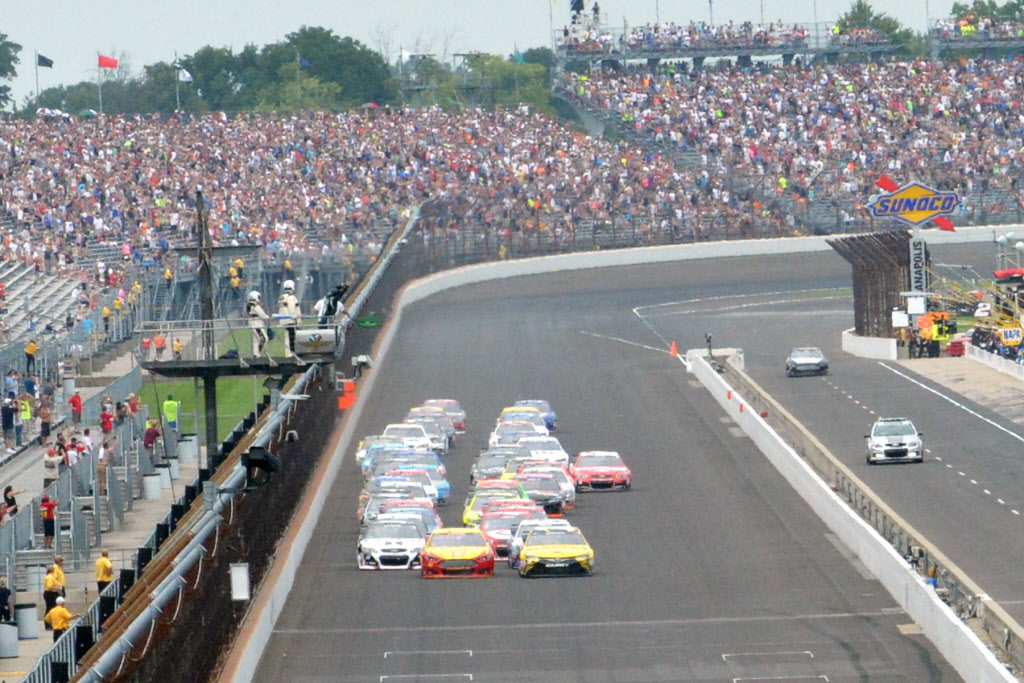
(594, 470)
(457, 552)
(497, 526)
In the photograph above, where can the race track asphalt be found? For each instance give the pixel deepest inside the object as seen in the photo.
(710, 569)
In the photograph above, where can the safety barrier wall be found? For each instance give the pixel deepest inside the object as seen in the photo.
(269, 602)
(878, 348)
(957, 643)
(994, 361)
(962, 594)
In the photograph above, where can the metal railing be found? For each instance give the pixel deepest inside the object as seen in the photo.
(63, 653)
(233, 338)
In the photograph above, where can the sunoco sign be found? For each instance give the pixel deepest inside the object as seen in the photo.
(914, 203)
(918, 273)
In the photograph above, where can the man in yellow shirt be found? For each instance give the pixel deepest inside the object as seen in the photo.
(51, 591)
(58, 573)
(104, 570)
(30, 356)
(176, 345)
(59, 619)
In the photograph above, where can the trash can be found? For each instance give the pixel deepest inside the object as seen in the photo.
(34, 575)
(174, 468)
(151, 487)
(8, 640)
(68, 384)
(188, 448)
(27, 620)
(163, 470)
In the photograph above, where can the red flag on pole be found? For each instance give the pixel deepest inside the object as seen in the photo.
(107, 62)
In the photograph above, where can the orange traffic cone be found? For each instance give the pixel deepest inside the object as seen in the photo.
(673, 349)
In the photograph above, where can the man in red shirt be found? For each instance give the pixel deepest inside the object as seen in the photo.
(150, 437)
(48, 511)
(106, 422)
(76, 408)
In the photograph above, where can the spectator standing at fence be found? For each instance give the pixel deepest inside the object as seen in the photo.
(51, 591)
(30, 356)
(102, 459)
(150, 436)
(7, 413)
(104, 570)
(76, 408)
(47, 510)
(6, 601)
(27, 421)
(10, 499)
(58, 619)
(176, 347)
(45, 423)
(159, 343)
(106, 422)
(58, 573)
(170, 409)
(52, 461)
(19, 425)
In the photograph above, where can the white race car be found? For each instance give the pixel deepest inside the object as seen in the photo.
(390, 545)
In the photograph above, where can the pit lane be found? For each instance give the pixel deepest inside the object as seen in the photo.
(710, 569)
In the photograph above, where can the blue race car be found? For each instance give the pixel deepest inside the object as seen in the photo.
(444, 488)
(546, 411)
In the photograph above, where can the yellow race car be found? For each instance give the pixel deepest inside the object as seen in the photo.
(474, 509)
(556, 551)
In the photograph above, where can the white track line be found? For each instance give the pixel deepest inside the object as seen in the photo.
(959, 405)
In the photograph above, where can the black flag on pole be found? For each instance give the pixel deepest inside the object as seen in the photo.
(44, 61)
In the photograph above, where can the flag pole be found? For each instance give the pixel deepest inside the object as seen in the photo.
(177, 77)
(298, 80)
(37, 78)
(99, 81)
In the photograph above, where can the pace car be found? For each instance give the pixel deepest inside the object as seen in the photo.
(894, 439)
(555, 551)
(456, 552)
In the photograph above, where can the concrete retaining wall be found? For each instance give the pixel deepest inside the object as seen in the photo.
(869, 347)
(957, 643)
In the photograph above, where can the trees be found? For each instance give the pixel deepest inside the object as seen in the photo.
(862, 16)
(8, 62)
(309, 68)
(1012, 10)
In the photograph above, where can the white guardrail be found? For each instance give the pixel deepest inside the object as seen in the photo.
(957, 645)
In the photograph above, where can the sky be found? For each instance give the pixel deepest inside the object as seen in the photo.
(72, 32)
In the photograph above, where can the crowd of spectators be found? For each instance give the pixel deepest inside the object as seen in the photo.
(671, 37)
(727, 151)
(767, 142)
(978, 28)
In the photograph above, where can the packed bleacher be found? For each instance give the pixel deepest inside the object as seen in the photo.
(819, 138)
(671, 40)
(973, 29)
